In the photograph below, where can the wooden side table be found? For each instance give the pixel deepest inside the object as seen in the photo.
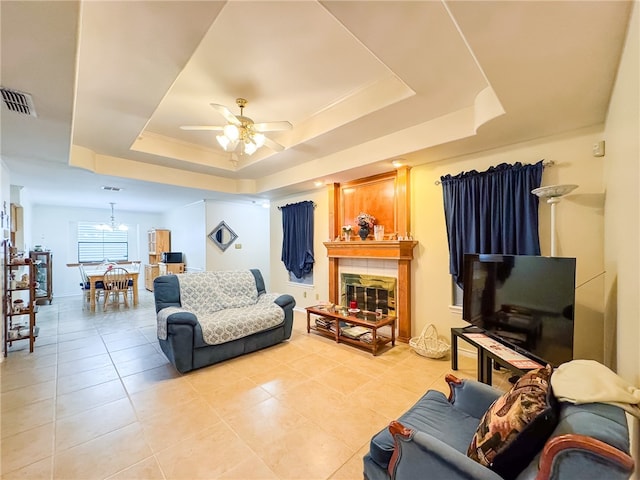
(365, 319)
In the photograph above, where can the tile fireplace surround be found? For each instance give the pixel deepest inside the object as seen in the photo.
(401, 251)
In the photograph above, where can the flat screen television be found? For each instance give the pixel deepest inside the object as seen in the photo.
(526, 301)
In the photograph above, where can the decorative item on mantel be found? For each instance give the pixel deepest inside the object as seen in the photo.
(366, 223)
(346, 232)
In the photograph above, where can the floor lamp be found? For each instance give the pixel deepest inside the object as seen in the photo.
(553, 194)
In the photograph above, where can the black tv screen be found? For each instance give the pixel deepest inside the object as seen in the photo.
(526, 301)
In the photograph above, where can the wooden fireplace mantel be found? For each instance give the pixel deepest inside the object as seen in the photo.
(383, 249)
(371, 195)
(400, 250)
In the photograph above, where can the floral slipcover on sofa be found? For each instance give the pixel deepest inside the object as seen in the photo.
(207, 317)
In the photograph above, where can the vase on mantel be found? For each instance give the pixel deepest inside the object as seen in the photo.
(363, 232)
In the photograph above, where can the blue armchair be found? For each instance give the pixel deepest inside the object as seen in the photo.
(430, 440)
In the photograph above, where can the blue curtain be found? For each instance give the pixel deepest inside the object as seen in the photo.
(297, 238)
(491, 212)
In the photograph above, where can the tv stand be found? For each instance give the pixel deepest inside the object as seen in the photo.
(491, 351)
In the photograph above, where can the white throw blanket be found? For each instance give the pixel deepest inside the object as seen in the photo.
(587, 381)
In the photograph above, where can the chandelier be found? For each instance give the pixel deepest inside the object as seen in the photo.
(243, 135)
(112, 226)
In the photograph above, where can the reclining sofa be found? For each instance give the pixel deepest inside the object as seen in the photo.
(432, 441)
(207, 317)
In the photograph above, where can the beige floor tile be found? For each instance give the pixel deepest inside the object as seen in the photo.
(82, 427)
(207, 454)
(103, 456)
(26, 395)
(148, 378)
(354, 426)
(88, 398)
(132, 353)
(265, 423)
(24, 378)
(389, 400)
(253, 468)
(311, 399)
(26, 447)
(343, 379)
(235, 397)
(147, 469)
(27, 417)
(88, 378)
(27, 362)
(42, 469)
(175, 426)
(125, 343)
(279, 379)
(353, 468)
(74, 367)
(141, 364)
(162, 398)
(314, 364)
(67, 345)
(79, 353)
(306, 453)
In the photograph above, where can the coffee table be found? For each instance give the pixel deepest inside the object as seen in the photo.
(338, 319)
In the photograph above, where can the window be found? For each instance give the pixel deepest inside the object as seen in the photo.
(307, 279)
(97, 245)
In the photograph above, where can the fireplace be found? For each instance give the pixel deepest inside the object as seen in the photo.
(371, 292)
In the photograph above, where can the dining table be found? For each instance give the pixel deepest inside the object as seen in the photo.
(95, 276)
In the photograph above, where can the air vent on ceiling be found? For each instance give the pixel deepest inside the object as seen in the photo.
(18, 102)
(111, 189)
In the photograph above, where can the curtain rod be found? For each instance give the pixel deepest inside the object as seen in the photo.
(545, 164)
(282, 206)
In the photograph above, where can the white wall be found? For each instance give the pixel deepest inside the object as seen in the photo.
(622, 212)
(251, 249)
(188, 233)
(55, 228)
(622, 218)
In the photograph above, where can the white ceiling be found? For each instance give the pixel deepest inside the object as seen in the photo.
(362, 82)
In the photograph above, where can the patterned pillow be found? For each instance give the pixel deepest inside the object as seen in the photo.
(516, 426)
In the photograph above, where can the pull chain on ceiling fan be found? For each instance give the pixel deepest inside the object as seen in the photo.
(241, 132)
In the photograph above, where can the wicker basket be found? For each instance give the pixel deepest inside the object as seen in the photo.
(428, 344)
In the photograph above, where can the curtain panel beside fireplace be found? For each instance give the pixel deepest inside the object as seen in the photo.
(297, 238)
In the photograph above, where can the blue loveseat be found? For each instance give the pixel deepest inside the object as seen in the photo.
(430, 441)
(207, 317)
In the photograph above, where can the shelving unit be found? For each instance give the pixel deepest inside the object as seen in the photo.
(19, 300)
(159, 241)
(43, 277)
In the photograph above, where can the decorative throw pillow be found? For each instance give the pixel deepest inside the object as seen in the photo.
(516, 426)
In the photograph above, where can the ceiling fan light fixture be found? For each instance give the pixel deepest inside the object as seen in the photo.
(258, 139)
(231, 132)
(250, 148)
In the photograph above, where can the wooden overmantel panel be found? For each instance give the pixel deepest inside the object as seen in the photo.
(384, 249)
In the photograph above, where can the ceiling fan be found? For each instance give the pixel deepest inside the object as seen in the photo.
(241, 131)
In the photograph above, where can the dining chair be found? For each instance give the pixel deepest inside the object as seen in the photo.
(116, 281)
(86, 286)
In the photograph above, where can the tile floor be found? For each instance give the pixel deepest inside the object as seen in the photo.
(98, 400)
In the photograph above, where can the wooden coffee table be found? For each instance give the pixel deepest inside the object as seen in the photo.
(339, 318)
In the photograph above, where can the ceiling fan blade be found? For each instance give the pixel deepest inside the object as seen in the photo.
(272, 126)
(226, 113)
(217, 128)
(273, 145)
